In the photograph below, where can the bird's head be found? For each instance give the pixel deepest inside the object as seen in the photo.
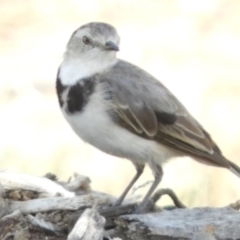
(94, 41)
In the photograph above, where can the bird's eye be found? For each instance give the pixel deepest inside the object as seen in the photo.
(86, 40)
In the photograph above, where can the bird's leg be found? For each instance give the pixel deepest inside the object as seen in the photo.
(158, 173)
(139, 168)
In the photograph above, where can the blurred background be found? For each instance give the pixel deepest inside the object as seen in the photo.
(193, 47)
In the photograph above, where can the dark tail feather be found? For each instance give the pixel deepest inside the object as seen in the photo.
(234, 168)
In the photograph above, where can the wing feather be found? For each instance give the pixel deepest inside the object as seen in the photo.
(145, 107)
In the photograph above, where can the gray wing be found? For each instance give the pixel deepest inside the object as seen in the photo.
(144, 106)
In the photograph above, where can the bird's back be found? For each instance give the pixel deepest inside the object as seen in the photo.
(140, 101)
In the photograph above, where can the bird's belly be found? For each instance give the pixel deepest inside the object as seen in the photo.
(96, 127)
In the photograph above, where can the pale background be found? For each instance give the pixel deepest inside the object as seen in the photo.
(193, 47)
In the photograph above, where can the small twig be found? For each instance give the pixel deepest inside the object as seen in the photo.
(47, 227)
(13, 215)
(109, 212)
(140, 186)
(159, 193)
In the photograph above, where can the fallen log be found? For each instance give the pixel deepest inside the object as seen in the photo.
(45, 208)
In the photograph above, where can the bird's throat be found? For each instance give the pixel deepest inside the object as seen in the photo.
(71, 72)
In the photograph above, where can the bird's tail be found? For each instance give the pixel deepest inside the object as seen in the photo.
(234, 168)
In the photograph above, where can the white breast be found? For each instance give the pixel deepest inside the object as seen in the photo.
(94, 125)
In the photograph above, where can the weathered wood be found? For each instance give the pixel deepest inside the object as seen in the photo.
(80, 184)
(42, 185)
(60, 203)
(89, 226)
(112, 213)
(44, 208)
(196, 223)
(43, 225)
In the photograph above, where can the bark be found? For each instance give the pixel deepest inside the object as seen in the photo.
(43, 208)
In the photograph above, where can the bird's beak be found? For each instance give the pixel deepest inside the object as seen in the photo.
(111, 46)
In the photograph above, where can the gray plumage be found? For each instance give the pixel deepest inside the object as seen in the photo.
(124, 111)
(138, 99)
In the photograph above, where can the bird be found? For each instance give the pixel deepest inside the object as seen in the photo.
(124, 111)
